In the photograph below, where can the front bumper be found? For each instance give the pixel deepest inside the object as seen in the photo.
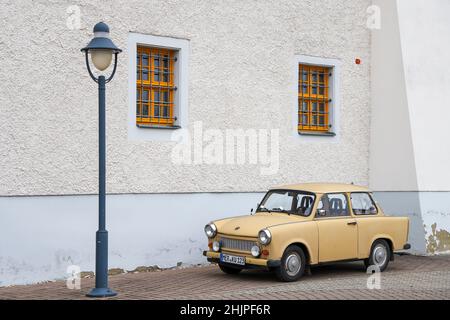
(249, 262)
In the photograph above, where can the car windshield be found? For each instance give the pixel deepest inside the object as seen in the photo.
(287, 201)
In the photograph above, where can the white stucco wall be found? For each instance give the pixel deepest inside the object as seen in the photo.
(240, 76)
(425, 28)
(410, 97)
(410, 106)
(41, 236)
(392, 161)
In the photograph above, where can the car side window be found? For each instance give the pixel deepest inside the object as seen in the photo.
(304, 204)
(333, 205)
(362, 204)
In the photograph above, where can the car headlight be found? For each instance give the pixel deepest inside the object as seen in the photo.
(210, 230)
(255, 251)
(264, 236)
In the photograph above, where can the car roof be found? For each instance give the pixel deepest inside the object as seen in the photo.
(323, 187)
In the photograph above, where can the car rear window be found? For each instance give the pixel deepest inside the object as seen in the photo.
(362, 204)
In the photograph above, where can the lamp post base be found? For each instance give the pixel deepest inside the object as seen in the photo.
(101, 293)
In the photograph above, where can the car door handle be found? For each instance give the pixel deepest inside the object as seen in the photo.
(351, 223)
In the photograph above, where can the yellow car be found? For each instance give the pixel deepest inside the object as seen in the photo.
(307, 224)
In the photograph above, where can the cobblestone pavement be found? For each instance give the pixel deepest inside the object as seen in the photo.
(408, 277)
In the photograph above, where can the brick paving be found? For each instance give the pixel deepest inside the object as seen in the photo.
(408, 277)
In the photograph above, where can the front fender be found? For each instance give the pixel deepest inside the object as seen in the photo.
(302, 233)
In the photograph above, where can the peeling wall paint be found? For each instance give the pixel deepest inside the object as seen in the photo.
(429, 214)
(436, 220)
(438, 240)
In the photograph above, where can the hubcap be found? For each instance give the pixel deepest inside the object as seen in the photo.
(379, 255)
(293, 264)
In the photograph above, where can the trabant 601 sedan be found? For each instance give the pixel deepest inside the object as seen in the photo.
(302, 225)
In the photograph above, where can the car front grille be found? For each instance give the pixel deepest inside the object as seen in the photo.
(237, 244)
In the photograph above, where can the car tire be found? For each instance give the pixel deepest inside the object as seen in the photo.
(229, 270)
(380, 254)
(293, 264)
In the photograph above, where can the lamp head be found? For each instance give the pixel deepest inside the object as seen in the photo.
(101, 47)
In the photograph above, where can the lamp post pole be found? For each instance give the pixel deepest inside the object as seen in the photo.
(101, 49)
(101, 249)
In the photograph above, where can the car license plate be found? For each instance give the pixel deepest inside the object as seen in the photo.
(232, 259)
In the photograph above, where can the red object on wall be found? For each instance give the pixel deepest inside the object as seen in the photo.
(358, 61)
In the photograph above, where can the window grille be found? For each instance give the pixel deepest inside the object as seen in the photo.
(313, 98)
(155, 86)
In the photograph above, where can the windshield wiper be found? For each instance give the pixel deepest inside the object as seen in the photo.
(262, 209)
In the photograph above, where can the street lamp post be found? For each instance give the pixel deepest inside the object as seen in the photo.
(101, 50)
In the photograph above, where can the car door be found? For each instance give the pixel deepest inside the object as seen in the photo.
(338, 231)
(369, 222)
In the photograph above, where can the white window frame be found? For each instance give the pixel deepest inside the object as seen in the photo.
(334, 94)
(181, 46)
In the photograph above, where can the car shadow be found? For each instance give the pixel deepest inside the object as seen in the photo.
(342, 268)
(315, 272)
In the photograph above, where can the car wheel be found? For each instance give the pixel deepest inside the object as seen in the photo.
(380, 254)
(229, 270)
(292, 264)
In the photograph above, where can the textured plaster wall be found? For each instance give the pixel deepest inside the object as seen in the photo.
(240, 76)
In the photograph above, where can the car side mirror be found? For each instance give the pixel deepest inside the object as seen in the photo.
(321, 212)
(373, 210)
(251, 211)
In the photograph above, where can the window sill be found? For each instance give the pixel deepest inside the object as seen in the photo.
(155, 126)
(312, 133)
